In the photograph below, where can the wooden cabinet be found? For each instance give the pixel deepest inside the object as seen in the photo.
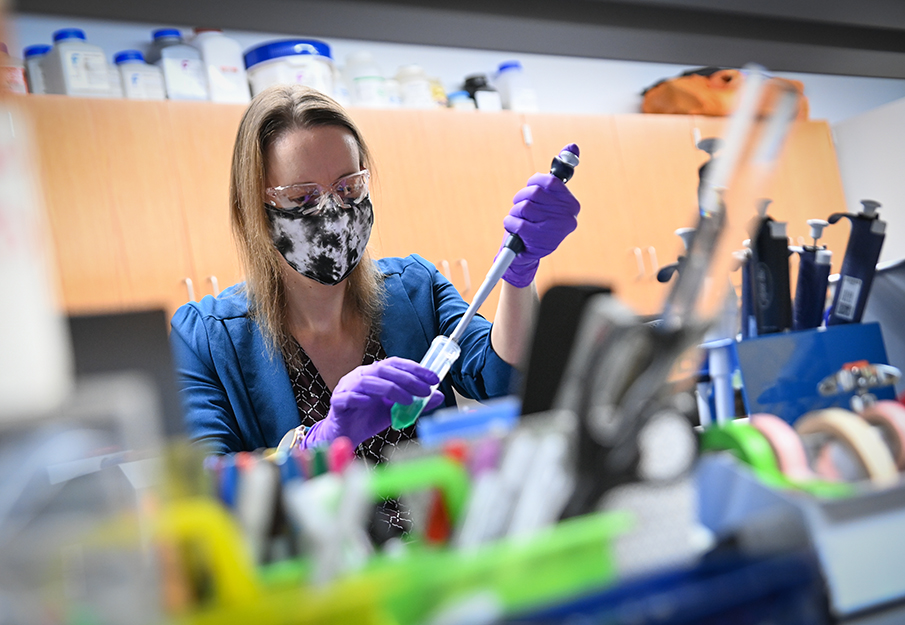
(137, 194)
(444, 181)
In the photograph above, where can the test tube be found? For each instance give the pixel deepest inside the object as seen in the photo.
(439, 358)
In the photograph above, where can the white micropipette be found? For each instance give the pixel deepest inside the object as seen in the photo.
(444, 350)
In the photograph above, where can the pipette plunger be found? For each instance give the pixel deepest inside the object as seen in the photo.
(444, 351)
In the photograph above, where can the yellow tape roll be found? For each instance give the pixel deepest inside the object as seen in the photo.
(858, 436)
(890, 417)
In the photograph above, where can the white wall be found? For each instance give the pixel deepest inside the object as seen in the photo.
(564, 84)
(871, 152)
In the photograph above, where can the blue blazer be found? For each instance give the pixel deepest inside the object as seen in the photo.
(237, 396)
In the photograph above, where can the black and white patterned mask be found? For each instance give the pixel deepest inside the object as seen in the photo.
(325, 247)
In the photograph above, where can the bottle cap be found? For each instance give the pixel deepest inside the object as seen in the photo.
(410, 71)
(36, 50)
(68, 33)
(286, 47)
(128, 55)
(509, 65)
(166, 33)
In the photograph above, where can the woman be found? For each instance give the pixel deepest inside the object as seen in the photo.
(320, 340)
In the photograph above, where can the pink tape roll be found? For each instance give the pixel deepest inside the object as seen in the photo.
(890, 417)
(786, 444)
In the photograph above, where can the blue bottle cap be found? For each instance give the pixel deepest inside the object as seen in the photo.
(128, 55)
(36, 50)
(68, 33)
(458, 95)
(509, 65)
(162, 33)
(286, 47)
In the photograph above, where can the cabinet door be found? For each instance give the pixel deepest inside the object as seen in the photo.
(595, 252)
(69, 149)
(201, 155)
(660, 170)
(444, 180)
(142, 190)
(806, 185)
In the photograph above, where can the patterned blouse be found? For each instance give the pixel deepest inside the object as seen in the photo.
(313, 399)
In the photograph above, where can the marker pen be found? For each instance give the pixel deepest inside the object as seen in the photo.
(813, 277)
(340, 454)
(859, 263)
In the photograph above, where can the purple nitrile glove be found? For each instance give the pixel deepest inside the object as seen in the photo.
(361, 402)
(542, 214)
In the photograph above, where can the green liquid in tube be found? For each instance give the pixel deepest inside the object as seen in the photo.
(403, 416)
(439, 358)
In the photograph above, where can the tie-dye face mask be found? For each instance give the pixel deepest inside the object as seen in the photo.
(325, 247)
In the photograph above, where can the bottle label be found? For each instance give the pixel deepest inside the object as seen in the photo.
(86, 70)
(228, 83)
(370, 91)
(849, 290)
(184, 78)
(141, 85)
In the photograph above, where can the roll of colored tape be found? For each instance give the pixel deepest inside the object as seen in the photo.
(748, 445)
(889, 416)
(860, 438)
(786, 445)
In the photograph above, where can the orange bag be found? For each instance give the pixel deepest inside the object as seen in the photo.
(704, 91)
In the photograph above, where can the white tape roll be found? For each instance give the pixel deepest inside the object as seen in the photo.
(856, 434)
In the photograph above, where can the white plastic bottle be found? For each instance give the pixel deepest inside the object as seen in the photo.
(290, 61)
(13, 71)
(486, 98)
(116, 82)
(415, 88)
(227, 80)
(366, 82)
(516, 94)
(183, 70)
(461, 101)
(140, 81)
(34, 74)
(76, 67)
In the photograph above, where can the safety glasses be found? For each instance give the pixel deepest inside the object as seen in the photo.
(310, 198)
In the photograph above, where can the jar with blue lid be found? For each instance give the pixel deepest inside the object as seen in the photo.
(290, 61)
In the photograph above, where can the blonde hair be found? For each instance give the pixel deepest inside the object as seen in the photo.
(271, 114)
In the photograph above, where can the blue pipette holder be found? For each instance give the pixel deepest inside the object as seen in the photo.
(780, 372)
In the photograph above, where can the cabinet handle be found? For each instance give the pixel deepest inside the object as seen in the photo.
(654, 265)
(215, 285)
(639, 261)
(190, 287)
(465, 273)
(444, 269)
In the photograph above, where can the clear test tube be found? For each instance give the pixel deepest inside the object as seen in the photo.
(439, 358)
